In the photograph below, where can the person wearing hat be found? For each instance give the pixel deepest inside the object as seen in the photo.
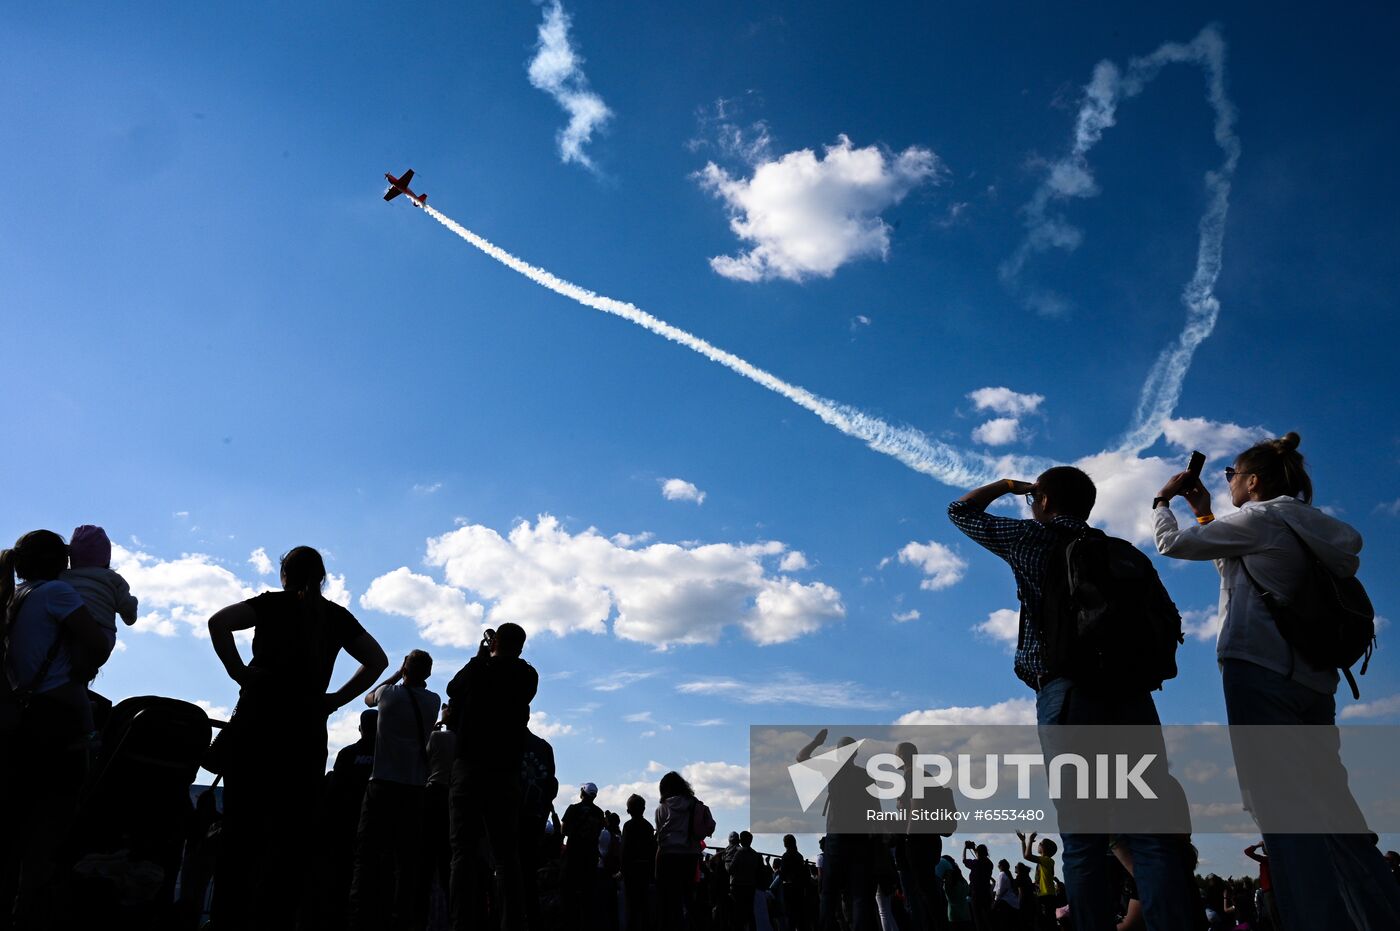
(583, 822)
(105, 594)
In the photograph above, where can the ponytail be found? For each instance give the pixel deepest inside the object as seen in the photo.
(1280, 467)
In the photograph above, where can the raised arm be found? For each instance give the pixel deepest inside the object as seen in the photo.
(373, 695)
(222, 625)
(372, 660)
(806, 752)
(1235, 536)
(126, 602)
(969, 514)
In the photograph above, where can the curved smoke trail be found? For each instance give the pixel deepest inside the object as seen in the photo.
(916, 449)
(1072, 177)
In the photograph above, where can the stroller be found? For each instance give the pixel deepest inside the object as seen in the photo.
(135, 814)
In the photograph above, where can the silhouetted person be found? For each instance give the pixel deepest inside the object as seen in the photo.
(638, 864)
(917, 851)
(792, 873)
(104, 592)
(386, 890)
(43, 762)
(1337, 880)
(540, 786)
(582, 823)
(436, 866)
(491, 696)
(1060, 501)
(682, 824)
(742, 865)
(979, 883)
(277, 756)
(847, 873)
(340, 819)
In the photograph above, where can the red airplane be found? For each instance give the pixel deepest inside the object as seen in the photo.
(399, 186)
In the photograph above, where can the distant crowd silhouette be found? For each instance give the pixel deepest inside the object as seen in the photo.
(443, 813)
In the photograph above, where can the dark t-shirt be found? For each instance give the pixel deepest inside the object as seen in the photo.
(638, 843)
(979, 877)
(792, 867)
(296, 648)
(491, 698)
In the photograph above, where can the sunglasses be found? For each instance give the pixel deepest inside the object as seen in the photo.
(1231, 473)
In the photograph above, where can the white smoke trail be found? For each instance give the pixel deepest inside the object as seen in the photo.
(914, 448)
(1071, 176)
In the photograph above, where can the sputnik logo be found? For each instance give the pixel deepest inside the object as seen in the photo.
(811, 776)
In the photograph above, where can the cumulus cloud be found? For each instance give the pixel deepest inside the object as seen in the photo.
(260, 562)
(1203, 624)
(904, 617)
(1001, 626)
(942, 567)
(1380, 708)
(215, 712)
(998, 432)
(785, 688)
(1002, 400)
(178, 594)
(1126, 485)
(794, 561)
(1011, 711)
(678, 489)
(807, 216)
(722, 785)
(442, 613)
(547, 579)
(1214, 438)
(543, 726)
(557, 69)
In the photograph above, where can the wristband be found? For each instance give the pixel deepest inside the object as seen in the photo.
(1205, 520)
(1010, 485)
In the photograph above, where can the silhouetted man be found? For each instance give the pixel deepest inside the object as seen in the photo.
(491, 698)
(583, 822)
(386, 887)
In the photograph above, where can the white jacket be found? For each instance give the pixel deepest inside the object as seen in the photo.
(1259, 532)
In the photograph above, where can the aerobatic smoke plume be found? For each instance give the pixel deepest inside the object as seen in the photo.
(914, 448)
(1071, 176)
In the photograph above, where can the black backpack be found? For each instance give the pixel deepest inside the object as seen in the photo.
(1105, 616)
(1330, 621)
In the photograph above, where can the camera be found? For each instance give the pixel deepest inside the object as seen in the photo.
(488, 637)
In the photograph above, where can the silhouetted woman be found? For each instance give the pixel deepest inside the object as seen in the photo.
(277, 752)
(682, 824)
(42, 757)
(1336, 880)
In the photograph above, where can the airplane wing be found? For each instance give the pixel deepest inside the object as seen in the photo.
(407, 177)
(391, 192)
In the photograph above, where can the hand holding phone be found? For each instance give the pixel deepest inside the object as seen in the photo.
(1197, 463)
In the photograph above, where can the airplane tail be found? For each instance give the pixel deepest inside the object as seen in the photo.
(422, 199)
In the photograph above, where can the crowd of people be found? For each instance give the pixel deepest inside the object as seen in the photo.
(443, 813)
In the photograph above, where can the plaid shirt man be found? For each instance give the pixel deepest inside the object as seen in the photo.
(1025, 544)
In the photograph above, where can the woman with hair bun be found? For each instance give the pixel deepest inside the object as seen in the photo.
(1319, 880)
(275, 764)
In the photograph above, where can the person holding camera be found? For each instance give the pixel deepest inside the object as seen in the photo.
(1266, 548)
(490, 698)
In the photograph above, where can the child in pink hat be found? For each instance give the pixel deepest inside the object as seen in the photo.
(104, 592)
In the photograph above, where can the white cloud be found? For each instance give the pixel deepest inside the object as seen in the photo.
(998, 432)
(557, 70)
(678, 489)
(1011, 711)
(708, 722)
(906, 616)
(808, 216)
(1214, 438)
(260, 562)
(1380, 708)
(793, 561)
(785, 688)
(1391, 508)
(546, 579)
(1203, 624)
(939, 563)
(342, 730)
(639, 717)
(215, 712)
(542, 726)
(1126, 486)
(617, 681)
(427, 488)
(629, 540)
(719, 785)
(443, 614)
(1002, 400)
(1002, 626)
(179, 593)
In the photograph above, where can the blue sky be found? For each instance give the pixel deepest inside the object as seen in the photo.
(222, 341)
